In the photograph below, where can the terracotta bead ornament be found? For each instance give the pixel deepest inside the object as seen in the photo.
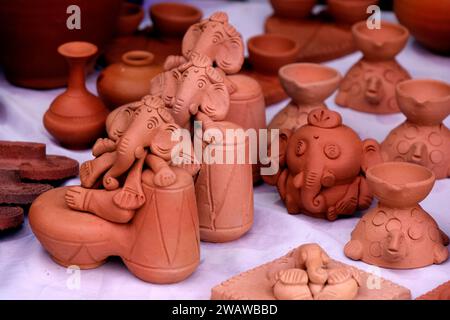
(398, 233)
(369, 86)
(321, 166)
(423, 138)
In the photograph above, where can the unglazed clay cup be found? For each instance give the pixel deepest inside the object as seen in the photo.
(130, 17)
(269, 52)
(172, 19)
(309, 83)
(293, 9)
(349, 11)
(400, 184)
(424, 101)
(380, 44)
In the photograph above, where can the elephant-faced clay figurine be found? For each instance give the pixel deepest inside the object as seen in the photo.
(321, 166)
(398, 233)
(423, 138)
(308, 85)
(369, 86)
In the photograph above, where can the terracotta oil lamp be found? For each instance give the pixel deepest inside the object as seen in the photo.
(293, 9)
(129, 19)
(349, 12)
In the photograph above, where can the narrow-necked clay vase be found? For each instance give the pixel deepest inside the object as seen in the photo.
(293, 9)
(130, 17)
(76, 117)
(398, 233)
(423, 138)
(308, 85)
(349, 11)
(369, 86)
(129, 80)
(269, 52)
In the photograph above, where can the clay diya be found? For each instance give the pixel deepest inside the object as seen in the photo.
(440, 293)
(398, 233)
(76, 117)
(129, 80)
(129, 19)
(293, 9)
(321, 167)
(369, 86)
(267, 54)
(349, 11)
(423, 138)
(308, 85)
(307, 273)
(428, 21)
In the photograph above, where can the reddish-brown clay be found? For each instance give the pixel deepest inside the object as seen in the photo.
(308, 85)
(398, 233)
(369, 86)
(423, 138)
(130, 17)
(129, 80)
(349, 11)
(306, 273)
(428, 21)
(76, 117)
(10, 217)
(440, 293)
(293, 9)
(321, 167)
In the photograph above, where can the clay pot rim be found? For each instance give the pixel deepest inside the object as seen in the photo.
(347, 4)
(138, 58)
(130, 10)
(398, 39)
(161, 11)
(77, 49)
(282, 74)
(255, 49)
(402, 91)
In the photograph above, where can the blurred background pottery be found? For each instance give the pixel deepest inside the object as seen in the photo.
(31, 31)
(349, 11)
(293, 9)
(428, 21)
(129, 80)
(130, 18)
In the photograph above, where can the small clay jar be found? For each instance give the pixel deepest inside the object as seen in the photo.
(398, 233)
(76, 117)
(172, 20)
(293, 9)
(369, 86)
(423, 138)
(308, 85)
(129, 80)
(269, 52)
(349, 11)
(129, 19)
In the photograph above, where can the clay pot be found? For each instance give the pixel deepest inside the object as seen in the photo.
(308, 85)
(76, 117)
(171, 19)
(31, 31)
(398, 233)
(129, 80)
(349, 11)
(428, 21)
(269, 52)
(130, 18)
(423, 138)
(293, 9)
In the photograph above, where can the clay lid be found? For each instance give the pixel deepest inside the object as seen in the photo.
(424, 101)
(77, 49)
(400, 184)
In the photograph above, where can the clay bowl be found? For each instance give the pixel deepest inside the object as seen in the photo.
(424, 101)
(293, 9)
(400, 184)
(130, 17)
(380, 44)
(173, 19)
(269, 52)
(309, 83)
(349, 11)
(428, 21)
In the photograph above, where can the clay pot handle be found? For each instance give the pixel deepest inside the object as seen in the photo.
(138, 58)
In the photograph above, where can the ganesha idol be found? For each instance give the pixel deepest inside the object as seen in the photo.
(133, 202)
(321, 167)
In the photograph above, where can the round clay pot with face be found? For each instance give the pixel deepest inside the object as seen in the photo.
(293, 9)
(172, 19)
(130, 17)
(349, 11)
(269, 52)
(129, 80)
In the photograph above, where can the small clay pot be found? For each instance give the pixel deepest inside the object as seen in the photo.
(172, 19)
(129, 80)
(293, 9)
(269, 52)
(349, 11)
(428, 21)
(130, 17)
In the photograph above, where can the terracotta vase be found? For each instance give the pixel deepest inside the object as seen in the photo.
(308, 85)
(428, 21)
(349, 11)
(293, 9)
(76, 117)
(129, 19)
(127, 81)
(423, 138)
(31, 31)
(369, 86)
(398, 233)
